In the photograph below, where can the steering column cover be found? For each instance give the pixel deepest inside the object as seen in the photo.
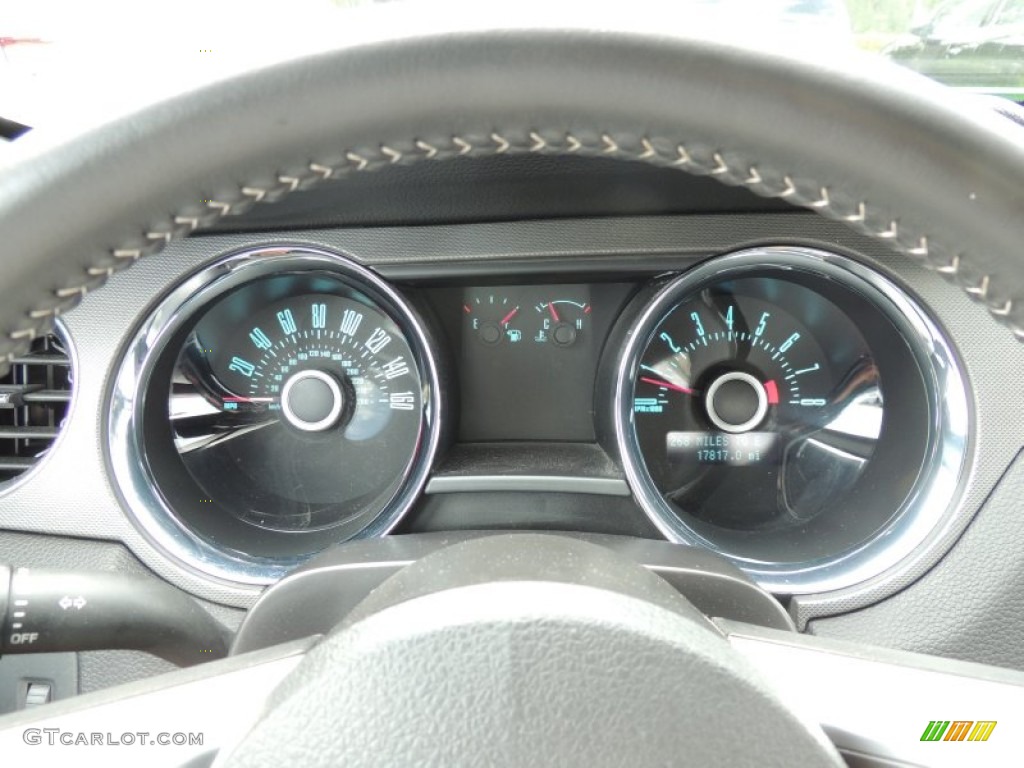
(890, 153)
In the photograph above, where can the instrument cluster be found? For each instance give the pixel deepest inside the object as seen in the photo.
(790, 408)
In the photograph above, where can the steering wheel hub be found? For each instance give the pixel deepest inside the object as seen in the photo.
(525, 649)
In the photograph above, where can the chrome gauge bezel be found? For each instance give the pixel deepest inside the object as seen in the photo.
(939, 484)
(128, 454)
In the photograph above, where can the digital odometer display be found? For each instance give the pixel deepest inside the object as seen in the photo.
(723, 448)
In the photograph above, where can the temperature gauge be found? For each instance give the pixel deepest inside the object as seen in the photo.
(562, 322)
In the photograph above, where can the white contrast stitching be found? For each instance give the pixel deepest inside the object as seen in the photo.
(502, 144)
(859, 216)
(823, 201)
(921, 249)
(223, 209)
(981, 289)
(891, 233)
(608, 145)
(430, 149)
(67, 293)
(950, 269)
(360, 161)
(682, 156)
(1002, 311)
(322, 170)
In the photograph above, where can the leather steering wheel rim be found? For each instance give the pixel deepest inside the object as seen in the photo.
(886, 152)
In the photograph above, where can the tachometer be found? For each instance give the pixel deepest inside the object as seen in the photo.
(749, 417)
(791, 409)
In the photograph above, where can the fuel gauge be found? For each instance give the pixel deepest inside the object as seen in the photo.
(563, 321)
(493, 317)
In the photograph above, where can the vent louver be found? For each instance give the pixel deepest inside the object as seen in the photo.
(34, 400)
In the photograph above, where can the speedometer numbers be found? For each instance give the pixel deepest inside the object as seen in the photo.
(320, 363)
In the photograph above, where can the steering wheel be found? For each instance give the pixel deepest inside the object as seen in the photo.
(515, 650)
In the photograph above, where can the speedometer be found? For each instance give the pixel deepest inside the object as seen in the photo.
(281, 400)
(791, 409)
(300, 415)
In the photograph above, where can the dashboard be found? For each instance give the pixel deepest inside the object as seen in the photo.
(768, 386)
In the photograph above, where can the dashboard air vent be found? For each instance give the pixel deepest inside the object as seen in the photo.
(34, 400)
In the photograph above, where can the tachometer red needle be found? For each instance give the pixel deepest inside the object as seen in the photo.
(554, 313)
(670, 385)
(505, 320)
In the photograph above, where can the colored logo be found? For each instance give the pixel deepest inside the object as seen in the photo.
(958, 730)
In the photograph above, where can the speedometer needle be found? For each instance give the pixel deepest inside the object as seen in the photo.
(669, 385)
